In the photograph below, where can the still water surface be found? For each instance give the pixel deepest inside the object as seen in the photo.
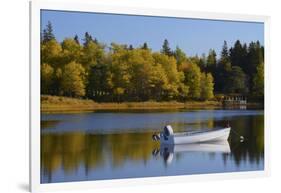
(118, 144)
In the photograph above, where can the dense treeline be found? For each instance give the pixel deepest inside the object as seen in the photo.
(91, 69)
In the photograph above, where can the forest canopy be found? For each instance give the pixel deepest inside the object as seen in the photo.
(119, 72)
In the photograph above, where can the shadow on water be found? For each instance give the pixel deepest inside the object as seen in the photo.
(252, 148)
(67, 153)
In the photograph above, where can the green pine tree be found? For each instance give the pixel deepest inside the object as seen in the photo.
(48, 33)
(166, 48)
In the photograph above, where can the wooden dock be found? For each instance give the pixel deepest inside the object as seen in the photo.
(235, 101)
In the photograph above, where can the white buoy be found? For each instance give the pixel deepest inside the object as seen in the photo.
(241, 138)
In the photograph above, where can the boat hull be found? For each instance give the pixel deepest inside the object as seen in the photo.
(183, 138)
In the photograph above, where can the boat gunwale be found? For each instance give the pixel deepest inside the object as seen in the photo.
(192, 133)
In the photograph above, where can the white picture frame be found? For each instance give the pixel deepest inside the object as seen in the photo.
(36, 6)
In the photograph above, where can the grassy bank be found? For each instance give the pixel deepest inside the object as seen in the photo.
(65, 104)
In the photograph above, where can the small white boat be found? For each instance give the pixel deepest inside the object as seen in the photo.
(169, 137)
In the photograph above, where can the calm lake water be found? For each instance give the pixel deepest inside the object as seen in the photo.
(118, 144)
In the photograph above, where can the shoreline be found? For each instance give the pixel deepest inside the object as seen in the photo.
(57, 104)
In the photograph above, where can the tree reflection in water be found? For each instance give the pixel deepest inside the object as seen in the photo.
(68, 151)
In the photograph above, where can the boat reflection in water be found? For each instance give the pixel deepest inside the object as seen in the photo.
(167, 151)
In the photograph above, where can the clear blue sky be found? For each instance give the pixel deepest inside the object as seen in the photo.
(194, 36)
